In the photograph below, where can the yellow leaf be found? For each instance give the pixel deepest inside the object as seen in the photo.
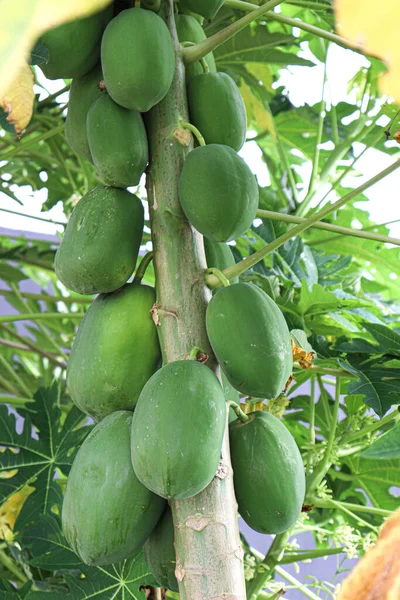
(24, 21)
(374, 27)
(17, 102)
(10, 510)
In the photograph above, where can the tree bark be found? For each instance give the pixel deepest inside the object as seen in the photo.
(208, 548)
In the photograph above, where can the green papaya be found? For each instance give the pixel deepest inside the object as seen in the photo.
(219, 256)
(268, 473)
(107, 514)
(177, 430)
(84, 91)
(138, 59)
(217, 109)
(101, 243)
(74, 47)
(185, 11)
(250, 339)
(206, 8)
(218, 192)
(118, 142)
(189, 29)
(159, 552)
(115, 351)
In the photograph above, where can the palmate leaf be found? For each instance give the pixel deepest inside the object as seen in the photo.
(37, 452)
(389, 340)
(376, 478)
(386, 446)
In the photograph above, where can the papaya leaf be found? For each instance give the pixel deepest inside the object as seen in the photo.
(9, 592)
(376, 478)
(33, 456)
(386, 446)
(39, 54)
(380, 386)
(388, 340)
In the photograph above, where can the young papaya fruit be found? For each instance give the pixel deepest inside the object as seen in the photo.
(74, 47)
(107, 514)
(138, 59)
(115, 351)
(206, 8)
(250, 339)
(268, 473)
(218, 192)
(84, 91)
(159, 552)
(118, 142)
(189, 29)
(185, 11)
(219, 256)
(101, 243)
(177, 430)
(217, 109)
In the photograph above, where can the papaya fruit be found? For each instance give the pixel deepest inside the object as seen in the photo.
(84, 91)
(250, 339)
(205, 8)
(118, 142)
(115, 351)
(138, 59)
(185, 11)
(74, 47)
(219, 256)
(101, 243)
(268, 473)
(218, 192)
(159, 552)
(189, 29)
(177, 430)
(107, 514)
(217, 109)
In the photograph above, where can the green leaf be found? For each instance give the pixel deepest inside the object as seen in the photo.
(9, 592)
(388, 340)
(9, 273)
(386, 446)
(4, 123)
(379, 386)
(39, 53)
(376, 478)
(300, 339)
(37, 452)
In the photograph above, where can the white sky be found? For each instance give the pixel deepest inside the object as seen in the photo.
(304, 85)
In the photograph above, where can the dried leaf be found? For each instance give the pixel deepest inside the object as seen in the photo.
(22, 23)
(375, 29)
(18, 100)
(377, 575)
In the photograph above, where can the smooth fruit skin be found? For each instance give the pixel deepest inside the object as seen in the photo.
(218, 192)
(268, 473)
(84, 91)
(74, 47)
(177, 430)
(206, 8)
(217, 109)
(189, 29)
(138, 59)
(159, 552)
(116, 350)
(107, 514)
(100, 246)
(250, 339)
(219, 256)
(118, 142)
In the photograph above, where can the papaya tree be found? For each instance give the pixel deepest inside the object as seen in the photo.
(210, 348)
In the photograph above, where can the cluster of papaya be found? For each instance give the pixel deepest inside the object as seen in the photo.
(160, 429)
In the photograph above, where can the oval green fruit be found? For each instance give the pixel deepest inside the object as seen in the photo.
(115, 352)
(218, 192)
(138, 59)
(101, 243)
(219, 256)
(217, 109)
(250, 339)
(190, 30)
(84, 91)
(177, 430)
(74, 47)
(107, 514)
(185, 11)
(118, 142)
(268, 473)
(206, 8)
(159, 552)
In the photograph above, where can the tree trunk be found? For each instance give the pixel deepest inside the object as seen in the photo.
(208, 548)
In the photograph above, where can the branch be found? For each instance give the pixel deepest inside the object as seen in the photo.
(359, 233)
(268, 565)
(49, 298)
(39, 317)
(194, 53)
(330, 503)
(28, 346)
(250, 261)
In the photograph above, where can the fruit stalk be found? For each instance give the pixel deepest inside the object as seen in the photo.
(208, 548)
